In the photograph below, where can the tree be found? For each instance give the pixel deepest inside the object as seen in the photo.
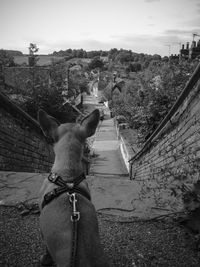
(147, 99)
(32, 59)
(96, 63)
(51, 99)
(112, 53)
(124, 56)
(134, 67)
(5, 59)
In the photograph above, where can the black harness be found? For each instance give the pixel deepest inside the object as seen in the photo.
(63, 187)
(71, 189)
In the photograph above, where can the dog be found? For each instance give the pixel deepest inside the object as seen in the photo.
(55, 217)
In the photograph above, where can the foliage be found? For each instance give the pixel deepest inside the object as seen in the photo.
(51, 98)
(79, 53)
(124, 56)
(134, 67)
(96, 63)
(33, 49)
(51, 101)
(147, 100)
(32, 59)
(5, 59)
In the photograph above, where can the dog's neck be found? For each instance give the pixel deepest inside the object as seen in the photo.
(68, 160)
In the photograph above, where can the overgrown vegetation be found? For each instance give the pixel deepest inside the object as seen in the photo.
(49, 91)
(151, 85)
(146, 98)
(60, 88)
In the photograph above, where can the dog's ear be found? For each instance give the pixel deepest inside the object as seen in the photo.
(48, 125)
(90, 123)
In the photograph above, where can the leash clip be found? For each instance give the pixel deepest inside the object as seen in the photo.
(75, 214)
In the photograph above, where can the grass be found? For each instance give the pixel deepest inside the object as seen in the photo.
(45, 60)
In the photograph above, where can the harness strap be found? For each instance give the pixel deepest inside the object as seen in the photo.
(60, 190)
(56, 179)
(64, 187)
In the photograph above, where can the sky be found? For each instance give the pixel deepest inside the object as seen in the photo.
(143, 26)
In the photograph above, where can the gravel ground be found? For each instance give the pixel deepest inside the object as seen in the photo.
(141, 244)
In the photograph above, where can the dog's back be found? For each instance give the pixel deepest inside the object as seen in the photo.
(58, 233)
(55, 219)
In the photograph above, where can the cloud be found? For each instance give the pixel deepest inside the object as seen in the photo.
(198, 7)
(177, 35)
(154, 44)
(176, 32)
(151, 1)
(194, 21)
(86, 44)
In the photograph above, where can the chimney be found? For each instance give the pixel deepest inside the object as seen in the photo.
(194, 44)
(183, 46)
(187, 45)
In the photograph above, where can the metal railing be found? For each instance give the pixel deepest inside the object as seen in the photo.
(6, 103)
(189, 86)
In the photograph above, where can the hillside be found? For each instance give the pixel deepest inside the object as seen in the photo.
(43, 59)
(13, 53)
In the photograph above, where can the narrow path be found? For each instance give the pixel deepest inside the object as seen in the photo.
(108, 179)
(108, 160)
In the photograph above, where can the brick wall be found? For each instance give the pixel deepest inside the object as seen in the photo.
(22, 145)
(173, 160)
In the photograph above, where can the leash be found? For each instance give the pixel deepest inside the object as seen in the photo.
(74, 218)
(71, 189)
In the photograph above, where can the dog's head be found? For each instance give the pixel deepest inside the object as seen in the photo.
(55, 131)
(68, 138)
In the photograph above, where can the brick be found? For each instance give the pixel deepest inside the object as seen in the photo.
(19, 144)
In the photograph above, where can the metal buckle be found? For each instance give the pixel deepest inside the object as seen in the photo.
(75, 217)
(70, 185)
(48, 197)
(53, 177)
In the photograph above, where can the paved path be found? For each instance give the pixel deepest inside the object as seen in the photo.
(109, 180)
(16, 187)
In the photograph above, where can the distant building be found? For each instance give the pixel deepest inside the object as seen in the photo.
(194, 50)
(175, 57)
(184, 52)
(116, 94)
(191, 52)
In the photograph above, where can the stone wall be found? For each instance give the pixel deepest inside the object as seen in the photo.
(22, 145)
(171, 164)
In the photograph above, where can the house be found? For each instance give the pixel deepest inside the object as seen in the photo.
(191, 52)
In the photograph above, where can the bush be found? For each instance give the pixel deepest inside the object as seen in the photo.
(51, 101)
(148, 99)
(96, 63)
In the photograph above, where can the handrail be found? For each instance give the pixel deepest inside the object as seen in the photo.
(189, 85)
(9, 105)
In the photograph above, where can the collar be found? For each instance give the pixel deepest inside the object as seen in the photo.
(56, 179)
